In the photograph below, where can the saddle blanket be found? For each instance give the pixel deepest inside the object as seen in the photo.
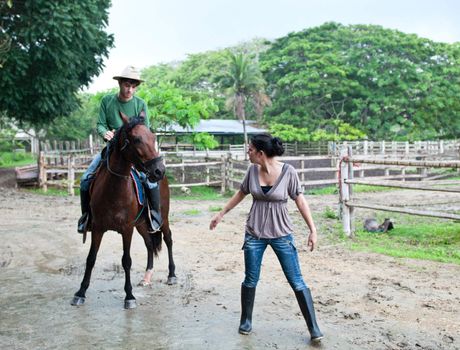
(139, 189)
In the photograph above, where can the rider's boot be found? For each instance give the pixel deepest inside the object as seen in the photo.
(153, 196)
(85, 211)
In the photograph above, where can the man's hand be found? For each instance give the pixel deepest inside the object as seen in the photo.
(109, 135)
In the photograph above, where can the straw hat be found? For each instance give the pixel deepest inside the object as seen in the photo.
(129, 72)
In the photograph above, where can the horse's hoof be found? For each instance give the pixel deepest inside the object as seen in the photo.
(77, 301)
(130, 304)
(144, 283)
(172, 280)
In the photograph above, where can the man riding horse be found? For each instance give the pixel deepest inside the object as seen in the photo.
(109, 120)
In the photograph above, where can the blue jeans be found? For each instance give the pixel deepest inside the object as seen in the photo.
(85, 180)
(284, 249)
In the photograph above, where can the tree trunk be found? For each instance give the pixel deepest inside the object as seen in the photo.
(242, 116)
(246, 141)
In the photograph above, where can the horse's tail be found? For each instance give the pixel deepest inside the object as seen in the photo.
(156, 242)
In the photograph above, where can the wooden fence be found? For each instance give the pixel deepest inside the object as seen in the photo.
(62, 170)
(347, 169)
(60, 163)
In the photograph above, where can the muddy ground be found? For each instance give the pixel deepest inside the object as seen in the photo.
(363, 301)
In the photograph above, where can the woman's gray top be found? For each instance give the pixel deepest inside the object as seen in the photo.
(268, 217)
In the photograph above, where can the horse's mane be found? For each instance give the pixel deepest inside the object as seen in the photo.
(122, 130)
(137, 120)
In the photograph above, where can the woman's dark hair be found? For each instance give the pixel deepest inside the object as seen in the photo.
(271, 146)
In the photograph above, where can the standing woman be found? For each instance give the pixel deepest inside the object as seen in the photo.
(270, 183)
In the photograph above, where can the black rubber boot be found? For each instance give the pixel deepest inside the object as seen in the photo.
(153, 196)
(247, 304)
(85, 211)
(306, 306)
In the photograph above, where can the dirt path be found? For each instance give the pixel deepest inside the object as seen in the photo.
(363, 301)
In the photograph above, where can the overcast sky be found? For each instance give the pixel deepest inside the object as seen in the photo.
(148, 32)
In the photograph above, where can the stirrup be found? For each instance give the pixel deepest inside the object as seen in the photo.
(83, 223)
(154, 221)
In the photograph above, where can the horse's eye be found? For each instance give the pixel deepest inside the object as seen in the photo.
(137, 140)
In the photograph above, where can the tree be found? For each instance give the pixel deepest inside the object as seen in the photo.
(243, 82)
(201, 73)
(393, 85)
(80, 123)
(56, 48)
(337, 130)
(169, 104)
(289, 133)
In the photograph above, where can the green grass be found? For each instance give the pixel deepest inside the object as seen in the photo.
(330, 213)
(198, 193)
(356, 189)
(215, 208)
(13, 159)
(51, 192)
(437, 241)
(192, 212)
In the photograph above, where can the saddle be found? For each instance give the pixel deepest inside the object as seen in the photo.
(141, 198)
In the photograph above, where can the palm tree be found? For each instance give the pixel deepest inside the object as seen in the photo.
(244, 83)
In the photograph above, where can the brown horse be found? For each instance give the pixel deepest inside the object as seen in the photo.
(114, 205)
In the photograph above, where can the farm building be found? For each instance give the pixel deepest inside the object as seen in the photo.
(226, 131)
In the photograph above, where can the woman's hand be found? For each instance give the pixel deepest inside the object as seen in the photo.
(215, 220)
(312, 239)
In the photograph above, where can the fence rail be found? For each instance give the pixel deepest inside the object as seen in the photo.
(331, 148)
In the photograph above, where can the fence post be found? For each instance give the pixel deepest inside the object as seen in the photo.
(42, 171)
(222, 173)
(351, 175)
(345, 171)
(208, 178)
(302, 166)
(91, 146)
(230, 173)
(183, 170)
(71, 174)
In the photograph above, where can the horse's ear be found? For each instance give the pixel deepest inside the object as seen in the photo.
(124, 117)
(142, 114)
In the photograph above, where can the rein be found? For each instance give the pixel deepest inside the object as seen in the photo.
(110, 170)
(143, 166)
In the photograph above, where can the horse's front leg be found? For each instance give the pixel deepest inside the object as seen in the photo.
(130, 300)
(80, 296)
(147, 280)
(167, 237)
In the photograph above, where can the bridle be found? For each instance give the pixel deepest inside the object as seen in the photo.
(138, 163)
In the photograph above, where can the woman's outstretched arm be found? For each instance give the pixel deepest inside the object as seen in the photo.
(232, 203)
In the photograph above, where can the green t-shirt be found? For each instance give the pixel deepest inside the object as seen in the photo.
(109, 113)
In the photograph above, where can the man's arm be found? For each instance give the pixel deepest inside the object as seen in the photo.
(101, 126)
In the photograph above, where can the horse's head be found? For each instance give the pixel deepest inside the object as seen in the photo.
(137, 144)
